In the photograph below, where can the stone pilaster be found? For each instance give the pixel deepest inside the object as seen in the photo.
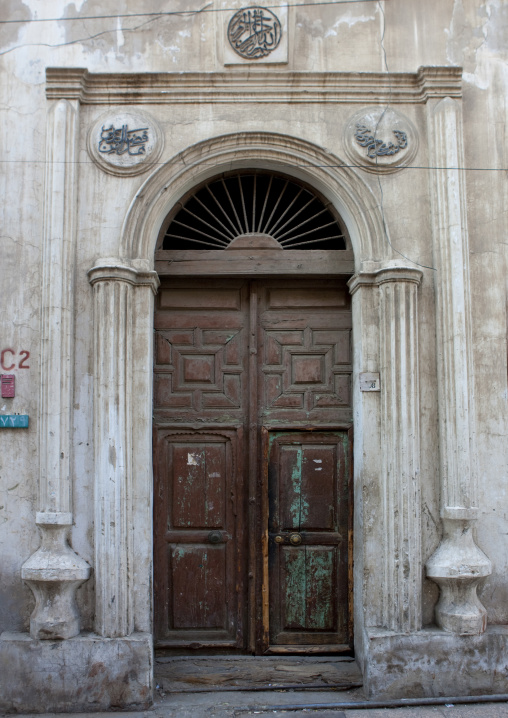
(397, 510)
(55, 571)
(400, 421)
(114, 284)
(458, 564)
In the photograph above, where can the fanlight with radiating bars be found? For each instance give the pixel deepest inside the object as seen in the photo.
(276, 212)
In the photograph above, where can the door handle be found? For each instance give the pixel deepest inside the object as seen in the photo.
(295, 539)
(215, 537)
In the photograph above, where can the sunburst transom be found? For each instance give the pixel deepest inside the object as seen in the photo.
(256, 208)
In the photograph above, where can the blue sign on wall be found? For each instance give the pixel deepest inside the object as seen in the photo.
(13, 421)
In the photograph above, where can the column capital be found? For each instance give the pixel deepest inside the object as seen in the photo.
(375, 275)
(134, 272)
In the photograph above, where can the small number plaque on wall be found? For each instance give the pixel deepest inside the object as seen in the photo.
(13, 421)
(370, 381)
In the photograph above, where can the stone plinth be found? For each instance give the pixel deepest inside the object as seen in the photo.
(85, 673)
(433, 662)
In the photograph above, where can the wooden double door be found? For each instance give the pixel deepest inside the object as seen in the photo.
(252, 466)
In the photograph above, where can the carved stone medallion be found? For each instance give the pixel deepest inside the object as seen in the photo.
(125, 143)
(254, 32)
(256, 35)
(380, 139)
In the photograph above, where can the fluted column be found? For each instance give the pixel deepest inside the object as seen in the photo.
(396, 518)
(458, 565)
(114, 284)
(400, 421)
(55, 571)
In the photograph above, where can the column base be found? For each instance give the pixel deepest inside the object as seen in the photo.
(54, 572)
(82, 674)
(458, 566)
(433, 663)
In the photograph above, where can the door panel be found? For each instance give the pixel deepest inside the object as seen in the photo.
(197, 538)
(198, 478)
(200, 350)
(308, 538)
(306, 590)
(305, 354)
(198, 575)
(200, 385)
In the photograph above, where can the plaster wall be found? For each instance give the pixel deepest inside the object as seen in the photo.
(394, 36)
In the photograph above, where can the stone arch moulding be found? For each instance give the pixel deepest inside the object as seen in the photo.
(385, 316)
(124, 288)
(343, 186)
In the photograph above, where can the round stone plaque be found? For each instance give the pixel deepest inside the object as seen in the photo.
(125, 143)
(254, 32)
(380, 139)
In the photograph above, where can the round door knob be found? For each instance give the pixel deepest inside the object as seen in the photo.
(295, 539)
(279, 539)
(215, 537)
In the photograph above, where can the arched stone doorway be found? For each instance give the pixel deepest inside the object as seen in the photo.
(387, 592)
(253, 420)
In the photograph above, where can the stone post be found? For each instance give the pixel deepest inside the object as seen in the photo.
(458, 565)
(55, 571)
(395, 515)
(114, 282)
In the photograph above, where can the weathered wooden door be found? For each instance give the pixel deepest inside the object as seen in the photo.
(199, 464)
(308, 535)
(236, 360)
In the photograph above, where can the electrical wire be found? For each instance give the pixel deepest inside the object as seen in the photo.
(339, 165)
(206, 9)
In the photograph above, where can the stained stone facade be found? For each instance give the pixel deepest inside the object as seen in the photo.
(394, 113)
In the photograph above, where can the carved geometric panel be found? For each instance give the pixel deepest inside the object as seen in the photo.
(305, 369)
(305, 338)
(199, 368)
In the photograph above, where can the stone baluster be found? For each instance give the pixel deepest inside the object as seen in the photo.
(458, 565)
(395, 514)
(55, 571)
(114, 285)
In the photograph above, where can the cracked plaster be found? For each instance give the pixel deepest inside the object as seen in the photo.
(463, 31)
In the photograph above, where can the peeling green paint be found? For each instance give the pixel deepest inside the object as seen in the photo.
(299, 507)
(319, 566)
(295, 588)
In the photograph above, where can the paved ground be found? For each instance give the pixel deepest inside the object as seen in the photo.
(241, 704)
(236, 688)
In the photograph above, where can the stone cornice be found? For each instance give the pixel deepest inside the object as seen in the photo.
(260, 86)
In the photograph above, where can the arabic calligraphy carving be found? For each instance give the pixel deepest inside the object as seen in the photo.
(254, 32)
(380, 139)
(125, 142)
(376, 147)
(122, 140)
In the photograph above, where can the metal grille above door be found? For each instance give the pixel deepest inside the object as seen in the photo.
(280, 212)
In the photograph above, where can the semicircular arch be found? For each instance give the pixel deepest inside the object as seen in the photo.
(341, 185)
